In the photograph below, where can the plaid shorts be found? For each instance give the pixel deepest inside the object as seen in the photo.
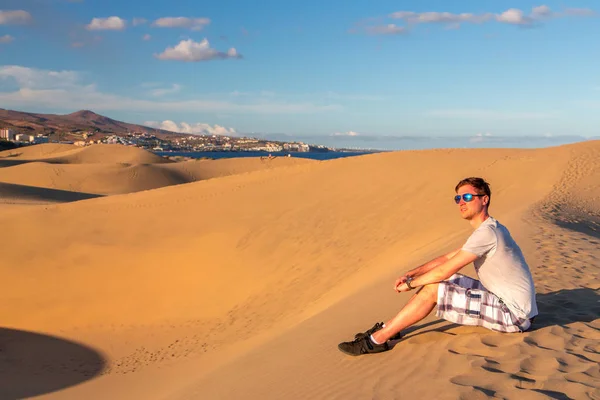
(465, 301)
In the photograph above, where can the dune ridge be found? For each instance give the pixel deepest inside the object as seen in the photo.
(115, 169)
(24, 194)
(263, 273)
(37, 151)
(69, 154)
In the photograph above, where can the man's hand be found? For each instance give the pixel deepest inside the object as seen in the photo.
(399, 282)
(402, 287)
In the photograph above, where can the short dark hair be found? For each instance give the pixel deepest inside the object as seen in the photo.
(480, 185)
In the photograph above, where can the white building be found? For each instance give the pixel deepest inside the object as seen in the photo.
(7, 134)
(273, 147)
(24, 138)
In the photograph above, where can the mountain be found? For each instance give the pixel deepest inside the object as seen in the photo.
(84, 120)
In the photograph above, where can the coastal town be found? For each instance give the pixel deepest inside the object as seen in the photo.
(162, 143)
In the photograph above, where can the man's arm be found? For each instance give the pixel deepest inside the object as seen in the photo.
(444, 271)
(432, 264)
(428, 266)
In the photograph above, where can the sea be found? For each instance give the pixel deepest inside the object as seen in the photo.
(313, 155)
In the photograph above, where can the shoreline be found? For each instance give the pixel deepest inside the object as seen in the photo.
(216, 155)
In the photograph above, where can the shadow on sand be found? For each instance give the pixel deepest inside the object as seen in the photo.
(33, 194)
(11, 163)
(567, 306)
(33, 364)
(590, 227)
(562, 307)
(8, 162)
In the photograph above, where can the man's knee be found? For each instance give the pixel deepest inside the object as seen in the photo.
(429, 290)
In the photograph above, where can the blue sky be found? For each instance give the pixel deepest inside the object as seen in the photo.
(327, 71)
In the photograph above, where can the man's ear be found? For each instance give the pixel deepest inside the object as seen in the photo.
(486, 200)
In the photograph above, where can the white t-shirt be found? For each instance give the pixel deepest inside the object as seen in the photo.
(501, 267)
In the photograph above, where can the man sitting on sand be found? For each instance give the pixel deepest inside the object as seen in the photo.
(503, 299)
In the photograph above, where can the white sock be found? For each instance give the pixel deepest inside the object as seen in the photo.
(374, 341)
(384, 325)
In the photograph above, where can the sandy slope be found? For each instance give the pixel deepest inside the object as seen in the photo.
(22, 194)
(37, 151)
(113, 169)
(69, 154)
(241, 287)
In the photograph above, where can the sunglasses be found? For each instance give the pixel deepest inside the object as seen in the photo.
(466, 197)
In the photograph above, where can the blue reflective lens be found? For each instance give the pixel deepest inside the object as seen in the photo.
(466, 197)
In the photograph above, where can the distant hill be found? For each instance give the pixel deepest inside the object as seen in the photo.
(84, 120)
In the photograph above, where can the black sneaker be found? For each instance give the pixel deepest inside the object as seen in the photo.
(369, 332)
(378, 326)
(361, 346)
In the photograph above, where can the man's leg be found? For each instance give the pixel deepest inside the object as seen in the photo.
(417, 308)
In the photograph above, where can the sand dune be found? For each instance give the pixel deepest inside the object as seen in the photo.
(22, 194)
(242, 286)
(99, 153)
(38, 151)
(76, 170)
(208, 169)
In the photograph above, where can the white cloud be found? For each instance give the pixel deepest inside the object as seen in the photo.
(440, 17)
(541, 12)
(138, 21)
(194, 24)
(29, 78)
(480, 137)
(14, 17)
(487, 114)
(63, 90)
(513, 16)
(390, 29)
(175, 88)
(194, 129)
(108, 24)
(146, 37)
(6, 39)
(349, 133)
(190, 51)
(407, 15)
